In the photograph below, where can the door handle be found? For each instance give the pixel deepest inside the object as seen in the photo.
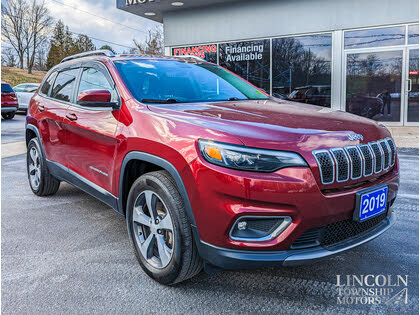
(41, 108)
(71, 116)
(409, 85)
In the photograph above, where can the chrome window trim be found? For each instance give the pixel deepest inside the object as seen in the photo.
(381, 153)
(346, 148)
(282, 226)
(359, 146)
(336, 164)
(314, 153)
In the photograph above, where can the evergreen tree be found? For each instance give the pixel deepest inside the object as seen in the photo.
(61, 45)
(108, 48)
(81, 44)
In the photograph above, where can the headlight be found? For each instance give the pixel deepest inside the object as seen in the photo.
(248, 159)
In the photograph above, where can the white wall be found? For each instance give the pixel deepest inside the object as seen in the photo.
(262, 18)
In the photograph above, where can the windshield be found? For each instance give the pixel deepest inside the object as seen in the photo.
(173, 81)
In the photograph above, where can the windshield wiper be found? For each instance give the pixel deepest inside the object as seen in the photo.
(167, 101)
(233, 99)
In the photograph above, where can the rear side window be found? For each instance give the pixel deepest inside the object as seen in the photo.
(63, 85)
(6, 88)
(47, 84)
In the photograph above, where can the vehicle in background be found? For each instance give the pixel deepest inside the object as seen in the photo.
(9, 104)
(24, 92)
(366, 106)
(312, 94)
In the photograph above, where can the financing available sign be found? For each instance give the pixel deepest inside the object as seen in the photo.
(244, 52)
(198, 50)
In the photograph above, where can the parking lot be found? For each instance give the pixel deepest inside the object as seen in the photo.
(69, 253)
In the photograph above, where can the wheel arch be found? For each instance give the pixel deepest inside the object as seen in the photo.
(160, 163)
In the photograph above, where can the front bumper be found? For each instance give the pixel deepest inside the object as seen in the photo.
(8, 109)
(226, 258)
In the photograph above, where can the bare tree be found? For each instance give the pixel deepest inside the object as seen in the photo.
(36, 33)
(153, 44)
(8, 57)
(13, 24)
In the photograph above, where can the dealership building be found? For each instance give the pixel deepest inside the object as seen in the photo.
(353, 55)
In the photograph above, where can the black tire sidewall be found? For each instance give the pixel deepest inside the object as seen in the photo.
(168, 274)
(8, 116)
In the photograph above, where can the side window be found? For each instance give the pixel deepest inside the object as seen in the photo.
(94, 79)
(63, 85)
(47, 84)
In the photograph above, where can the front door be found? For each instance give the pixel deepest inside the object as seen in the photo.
(412, 87)
(91, 139)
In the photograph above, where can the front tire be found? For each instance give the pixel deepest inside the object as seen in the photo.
(40, 179)
(160, 231)
(8, 116)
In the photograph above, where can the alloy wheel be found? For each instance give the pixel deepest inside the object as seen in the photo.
(34, 168)
(153, 229)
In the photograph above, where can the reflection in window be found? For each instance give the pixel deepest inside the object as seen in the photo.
(413, 34)
(376, 37)
(207, 52)
(63, 85)
(413, 94)
(374, 85)
(302, 69)
(250, 60)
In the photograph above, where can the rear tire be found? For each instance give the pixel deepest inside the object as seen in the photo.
(40, 179)
(171, 231)
(8, 116)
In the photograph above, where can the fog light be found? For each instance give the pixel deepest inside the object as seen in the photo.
(242, 225)
(258, 229)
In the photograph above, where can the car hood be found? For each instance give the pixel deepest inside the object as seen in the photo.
(277, 124)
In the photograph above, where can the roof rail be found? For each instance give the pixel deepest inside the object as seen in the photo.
(101, 52)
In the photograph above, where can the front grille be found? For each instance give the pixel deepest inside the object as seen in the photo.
(363, 160)
(331, 234)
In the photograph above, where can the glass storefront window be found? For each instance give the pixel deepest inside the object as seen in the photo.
(250, 60)
(373, 85)
(375, 37)
(302, 69)
(207, 52)
(413, 34)
(413, 87)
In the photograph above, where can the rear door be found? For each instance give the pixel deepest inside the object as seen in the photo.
(49, 109)
(91, 131)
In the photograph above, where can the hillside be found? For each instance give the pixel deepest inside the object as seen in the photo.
(15, 76)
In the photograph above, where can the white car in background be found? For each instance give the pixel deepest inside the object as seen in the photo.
(24, 92)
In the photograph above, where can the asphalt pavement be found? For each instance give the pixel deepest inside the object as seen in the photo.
(69, 253)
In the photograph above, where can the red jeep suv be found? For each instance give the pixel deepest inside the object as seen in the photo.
(207, 169)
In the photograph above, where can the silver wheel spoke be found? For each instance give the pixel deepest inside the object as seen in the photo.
(32, 169)
(147, 247)
(140, 218)
(151, 203)
(32, 154)
(164, 251)
(166, 223)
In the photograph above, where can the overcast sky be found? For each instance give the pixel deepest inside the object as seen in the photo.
(93, 26)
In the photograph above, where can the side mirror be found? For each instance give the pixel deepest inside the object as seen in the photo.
(96, 98)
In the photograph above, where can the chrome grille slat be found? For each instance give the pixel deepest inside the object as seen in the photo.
(393, 150)
(368, 159)
(387, 153)
(354, 162)
(326, 166)
(341, 164)
(376, 149)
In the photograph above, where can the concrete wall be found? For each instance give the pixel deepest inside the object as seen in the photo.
(262, 18)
